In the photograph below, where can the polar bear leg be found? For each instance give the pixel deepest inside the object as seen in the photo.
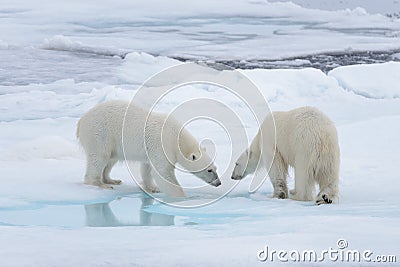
(277, 174)
(164, 177)
(94, 171)
(148, 180)
(106, 173)
(304, 186)
(304, 182)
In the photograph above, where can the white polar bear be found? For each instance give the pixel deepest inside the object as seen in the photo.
(307, 140)
(154, 139)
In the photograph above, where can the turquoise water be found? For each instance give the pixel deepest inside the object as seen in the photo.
(136, 209)
(126, 211)
(139, 209)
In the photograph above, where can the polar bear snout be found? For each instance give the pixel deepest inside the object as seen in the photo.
(216, 182)
(242, 166)
(238, 172)
(236, 177)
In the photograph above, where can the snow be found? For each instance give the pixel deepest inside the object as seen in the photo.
(383, 6)
(352, 79)
(45, 197)
(140, 61)
(56, 65)
(63, 43)
(205, 29)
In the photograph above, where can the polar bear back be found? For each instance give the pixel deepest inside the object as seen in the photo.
(101, 130)
(303, 132)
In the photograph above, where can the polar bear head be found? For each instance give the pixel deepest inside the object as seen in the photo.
(246, 164)
(200, 164)
(195, 159)
(180, 146)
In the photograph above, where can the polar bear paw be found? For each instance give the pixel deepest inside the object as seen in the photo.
(323, 199)
(106, 186)
(280, 194)
(112, 181)
(151, 188)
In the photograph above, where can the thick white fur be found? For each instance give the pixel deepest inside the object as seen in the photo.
(159, 147)
(307, 140)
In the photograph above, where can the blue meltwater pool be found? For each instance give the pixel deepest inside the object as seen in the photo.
(126, 211)
(131, 210)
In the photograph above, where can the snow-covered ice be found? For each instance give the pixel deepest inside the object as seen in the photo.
(383, 86)
(60, 58)
(382, 7)
(205, 29)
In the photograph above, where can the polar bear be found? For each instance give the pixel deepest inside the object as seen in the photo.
(155, 140)
(307, 140)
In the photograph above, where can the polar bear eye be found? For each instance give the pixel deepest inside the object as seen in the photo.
(209, 170)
